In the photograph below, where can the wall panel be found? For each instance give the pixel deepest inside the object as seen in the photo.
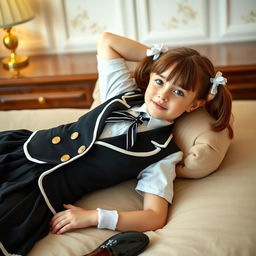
(74, 25)
(81, 21)
(172, 21)
(237, 20)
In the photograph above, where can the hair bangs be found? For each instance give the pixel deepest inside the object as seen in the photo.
(163, 64)
(184, 71)
(185, 74)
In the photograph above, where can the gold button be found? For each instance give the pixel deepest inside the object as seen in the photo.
(74, 135)
(81, 149)
(65, 158)
(56, 140)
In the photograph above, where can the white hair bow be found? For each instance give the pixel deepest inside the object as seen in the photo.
(156, 50)
(216, 81)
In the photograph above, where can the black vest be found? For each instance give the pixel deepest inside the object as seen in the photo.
(90, 163)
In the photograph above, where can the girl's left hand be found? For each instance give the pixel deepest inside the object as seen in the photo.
(72, 218)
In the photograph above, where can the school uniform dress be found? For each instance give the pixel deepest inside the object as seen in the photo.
(41, 170)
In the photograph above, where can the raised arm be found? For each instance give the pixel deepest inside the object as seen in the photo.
(112, 46)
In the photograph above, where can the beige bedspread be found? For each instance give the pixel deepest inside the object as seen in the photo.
(212, 216)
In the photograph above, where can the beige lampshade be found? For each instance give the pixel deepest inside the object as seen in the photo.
(14, 12)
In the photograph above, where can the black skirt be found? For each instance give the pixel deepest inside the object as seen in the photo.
(24, 215)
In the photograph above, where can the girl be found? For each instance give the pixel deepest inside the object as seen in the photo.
(43, 173)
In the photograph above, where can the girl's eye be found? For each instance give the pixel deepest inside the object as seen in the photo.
(179, 92)
(159, 82)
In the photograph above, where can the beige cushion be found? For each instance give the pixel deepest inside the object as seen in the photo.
(203, 148)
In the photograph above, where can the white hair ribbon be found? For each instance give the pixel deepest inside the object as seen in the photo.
(216, 81)
(156, 50)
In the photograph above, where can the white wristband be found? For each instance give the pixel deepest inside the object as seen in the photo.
(107, 219)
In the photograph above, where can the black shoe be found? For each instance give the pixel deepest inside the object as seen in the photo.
(122, 244)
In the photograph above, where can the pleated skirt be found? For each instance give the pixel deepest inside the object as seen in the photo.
(24, 215)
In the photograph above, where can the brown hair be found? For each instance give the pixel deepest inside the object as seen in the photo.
(191, 71)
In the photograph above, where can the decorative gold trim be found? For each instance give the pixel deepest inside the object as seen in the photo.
(185, 15)
(82, 21)
(250, 17)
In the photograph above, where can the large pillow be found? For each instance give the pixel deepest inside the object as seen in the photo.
(203, 148)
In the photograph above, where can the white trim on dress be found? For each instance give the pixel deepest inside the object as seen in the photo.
(25, 149)
(41, 177)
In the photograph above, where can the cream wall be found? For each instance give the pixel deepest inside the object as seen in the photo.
(74, 25)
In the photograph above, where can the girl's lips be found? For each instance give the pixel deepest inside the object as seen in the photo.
(159, 105)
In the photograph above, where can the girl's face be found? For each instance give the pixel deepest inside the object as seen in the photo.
(167, 101)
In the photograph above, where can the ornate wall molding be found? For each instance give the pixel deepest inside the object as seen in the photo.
(173, 21)
(79, 23)
(237, 19)
(74, 26)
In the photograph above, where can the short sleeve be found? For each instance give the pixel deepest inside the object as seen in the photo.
(114, 78)
(158, 178)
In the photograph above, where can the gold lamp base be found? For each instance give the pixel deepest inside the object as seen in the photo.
(14, 61)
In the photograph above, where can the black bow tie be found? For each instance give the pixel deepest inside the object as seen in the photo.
(131, 135)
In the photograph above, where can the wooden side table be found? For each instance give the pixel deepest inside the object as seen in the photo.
(237, 61)
(50, 81)
(67, 80)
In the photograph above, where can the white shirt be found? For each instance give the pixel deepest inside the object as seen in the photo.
(114, 79)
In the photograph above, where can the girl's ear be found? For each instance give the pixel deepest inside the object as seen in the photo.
(196, 104)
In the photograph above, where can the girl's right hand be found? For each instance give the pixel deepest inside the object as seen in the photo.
(73, 218)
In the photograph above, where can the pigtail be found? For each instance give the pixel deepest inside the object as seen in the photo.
(142, 73)
(220, 108)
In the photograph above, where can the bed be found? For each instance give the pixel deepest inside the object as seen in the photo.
(212, 215)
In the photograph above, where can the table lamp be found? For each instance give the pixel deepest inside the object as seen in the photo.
(14, 12)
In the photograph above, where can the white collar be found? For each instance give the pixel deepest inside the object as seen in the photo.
(153, 123)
